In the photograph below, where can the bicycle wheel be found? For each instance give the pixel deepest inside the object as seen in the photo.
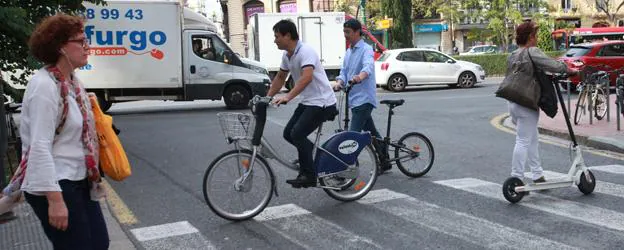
(580, 106)
(230, 197)
(417, 149)
(600, 103)
(353, 189)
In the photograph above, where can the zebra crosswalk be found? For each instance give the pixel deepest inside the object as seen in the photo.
(399, 220)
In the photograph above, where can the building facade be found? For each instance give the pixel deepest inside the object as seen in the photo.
(583, 13)
(236, 13)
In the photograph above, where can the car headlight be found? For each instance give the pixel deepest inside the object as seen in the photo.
(479, 68)
(257, 69)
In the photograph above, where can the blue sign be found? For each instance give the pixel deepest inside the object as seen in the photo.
(430, 27)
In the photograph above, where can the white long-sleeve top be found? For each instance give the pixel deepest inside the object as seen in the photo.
(52, 157)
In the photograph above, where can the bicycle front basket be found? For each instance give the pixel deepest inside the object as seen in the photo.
(236, 126)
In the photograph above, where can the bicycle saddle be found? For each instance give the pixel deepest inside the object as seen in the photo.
(393, 102)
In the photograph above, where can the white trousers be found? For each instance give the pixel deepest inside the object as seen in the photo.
(526, 150)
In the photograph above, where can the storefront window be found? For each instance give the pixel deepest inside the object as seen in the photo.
(288, 6)
(252, 7)
(322, 5)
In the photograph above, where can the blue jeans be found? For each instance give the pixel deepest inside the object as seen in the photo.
(362, 120)
(86, 227)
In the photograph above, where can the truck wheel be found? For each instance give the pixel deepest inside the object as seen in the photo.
(236, 96)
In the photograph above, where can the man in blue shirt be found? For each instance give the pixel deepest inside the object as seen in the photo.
(359, 66)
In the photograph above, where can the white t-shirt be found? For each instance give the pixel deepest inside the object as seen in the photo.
(319, 92)
(52, 157)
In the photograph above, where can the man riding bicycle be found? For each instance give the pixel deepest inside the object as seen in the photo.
(317, 99)
(359, 66)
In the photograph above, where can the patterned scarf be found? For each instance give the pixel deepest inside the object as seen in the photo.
(88, 137)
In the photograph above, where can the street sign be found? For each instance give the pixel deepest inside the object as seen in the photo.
(384, 24)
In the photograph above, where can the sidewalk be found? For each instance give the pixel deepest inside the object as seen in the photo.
(601, 134)
(25, 232)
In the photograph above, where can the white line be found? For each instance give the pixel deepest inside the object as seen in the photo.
(379, 195)
(283, 211)
(570, 209)
(163, 231)
(614, 169)
(466, 227)
(310, 231)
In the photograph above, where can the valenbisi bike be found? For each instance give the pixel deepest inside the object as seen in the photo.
(239, 184)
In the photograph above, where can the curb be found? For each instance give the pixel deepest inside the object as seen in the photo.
(118, 238)
(597, 142)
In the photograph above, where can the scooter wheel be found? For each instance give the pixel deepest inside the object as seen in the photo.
(509, 189)
(587, 187)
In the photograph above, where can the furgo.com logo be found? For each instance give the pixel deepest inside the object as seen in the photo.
(114, 42)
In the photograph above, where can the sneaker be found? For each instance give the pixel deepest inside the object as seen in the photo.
(384, 169)
(540, 180)
(302, 180)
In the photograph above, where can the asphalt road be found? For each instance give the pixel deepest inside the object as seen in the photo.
(457, 205)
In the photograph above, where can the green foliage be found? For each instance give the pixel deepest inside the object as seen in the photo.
(496, 64)
(401, 13)
(19, 18)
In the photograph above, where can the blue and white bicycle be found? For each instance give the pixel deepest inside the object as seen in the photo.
(239, 184)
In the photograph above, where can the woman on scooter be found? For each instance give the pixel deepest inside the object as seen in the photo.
(525, 118)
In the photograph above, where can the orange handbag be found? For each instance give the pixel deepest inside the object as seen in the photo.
(113, 159)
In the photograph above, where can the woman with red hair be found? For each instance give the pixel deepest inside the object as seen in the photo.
(523, 61)
(59, 170)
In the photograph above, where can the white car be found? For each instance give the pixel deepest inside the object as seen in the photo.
(480, 50)
(395, 69)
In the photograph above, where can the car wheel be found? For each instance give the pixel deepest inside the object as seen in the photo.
(236, 96)
(466, 80)
(397, 83)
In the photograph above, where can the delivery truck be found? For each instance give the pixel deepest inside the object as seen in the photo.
(157, 50)
(321, 30)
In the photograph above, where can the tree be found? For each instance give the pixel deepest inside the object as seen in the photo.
(610, 8)
(347, 6)
(19, 18)
(401, 13)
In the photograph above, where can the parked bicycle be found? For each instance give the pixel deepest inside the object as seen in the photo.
(593, 90)
(412, 147)
(619, 90)
(345, 165)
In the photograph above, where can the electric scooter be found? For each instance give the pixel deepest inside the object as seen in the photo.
(514, 189)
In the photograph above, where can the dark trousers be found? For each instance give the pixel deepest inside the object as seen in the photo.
(303, 122)
(362, 120)
(86, 227)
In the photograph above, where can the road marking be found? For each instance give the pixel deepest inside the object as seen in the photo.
(283, 211)
(614, 169)
(464, 226)
(379, 195)
(122, 213)
(497, 121)
(569, 209)
(310, 231)
(163, 231)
